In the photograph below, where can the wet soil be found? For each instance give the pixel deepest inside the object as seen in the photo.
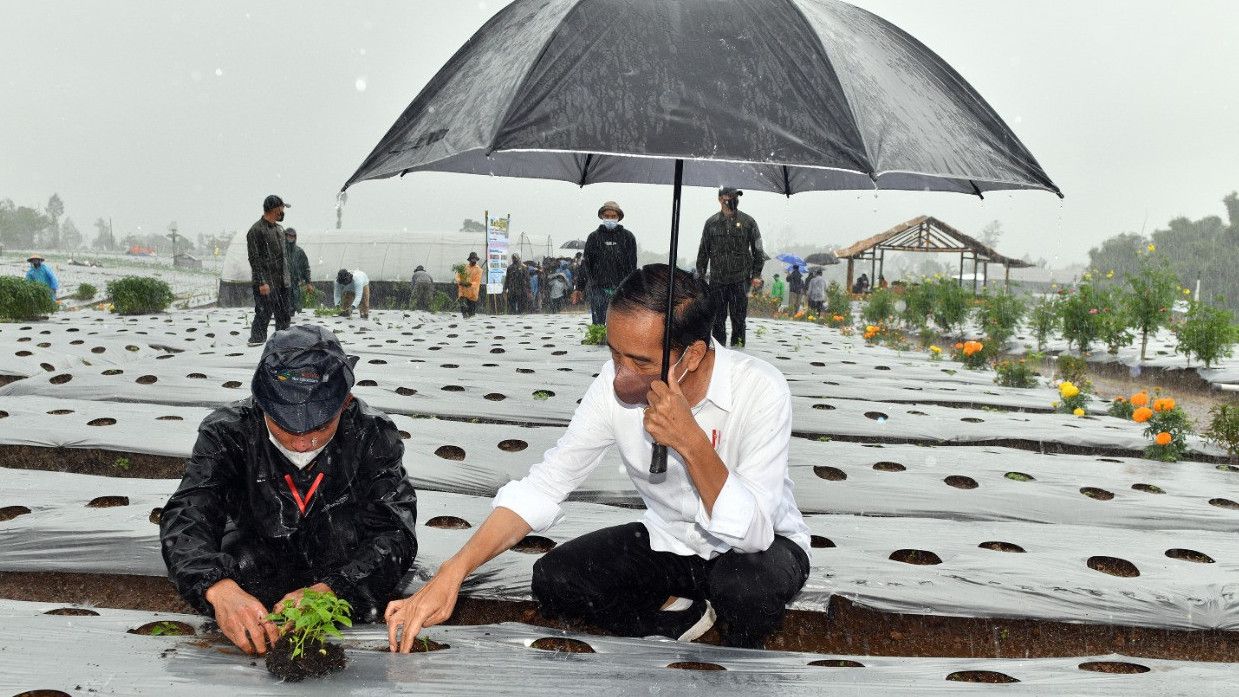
(1192, 394)
(315, 662)
(107, 463)
(847, 629)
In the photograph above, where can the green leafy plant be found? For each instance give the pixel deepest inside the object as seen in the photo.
(1072, 399)
(880, 307)
(1000, 314)
(311, 620)
(1044, 320)
(918, 300)
(1168, 426)
(461, 271)
(1073, 369)
(951, 305)
(1015, 373)
(838, 302)
(1223, 429)
(139, 295)
(1206, 334)
(1113, 322)
(1151, 294)
(122, 464)
(595, 335)
(326, 312)
(85, 291)
(441, 302)
(1079, 311)
(1121, 407)
(22, 300)
(311, 298)
(166, 629)
(542, 395)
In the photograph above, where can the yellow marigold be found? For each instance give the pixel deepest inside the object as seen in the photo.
(1187, 291)
(1162, 438)
(1141, 415)
(1140, 399)
(1152, 248)
(871, 328)
(1078, 411)
(935, 349)
(1068, 390)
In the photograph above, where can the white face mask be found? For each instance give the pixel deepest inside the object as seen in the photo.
(301, 460)
(609, 224)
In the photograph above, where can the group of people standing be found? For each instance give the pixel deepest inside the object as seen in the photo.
(808, 290)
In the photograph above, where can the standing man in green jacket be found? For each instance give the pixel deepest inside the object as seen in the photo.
(298, 270)
(731, 250)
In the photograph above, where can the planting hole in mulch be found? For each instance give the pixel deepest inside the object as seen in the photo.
(1114, 667)
(316, 662)
(72, 612)
(164, 628)
(889, 467)
(104, 421)
(543, 394)
(367, 383)
(112, 371)
(453, 388)
(169, 418)
(60, 412)
(108, 502)
(147, 380)
(156, 515)
(562, 645)
(1109, 459)
(512, 445)
(918, 557)
(377, 361)
(60, 379)
(232, 384)
(559, 353)
(1189, 555)
(819, 542)
(535, 544)
(11, 512)
(961, 482)
(497, 350)
(983, 676)
(1094, 493)
(825, 407)
(495, 397)
(23, 354)
(1113, 566)
(1224, 503)
(1227, 468)
(917, 413)
(973, 420)
(695, 665)
(406, 391)
(131, 347)
(998, 546)
(1148, 488)
(42, 693)
(405, 434)
(836, 663)
(47, 367)
(881, 367)
(98, 349)
(525, 371)
(196, 376)
(817, 364)
(830, 474)
(448, 522)
(3, 414)
(451, 452)
(1020, 477)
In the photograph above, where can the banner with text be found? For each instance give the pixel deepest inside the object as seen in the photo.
(496, 253)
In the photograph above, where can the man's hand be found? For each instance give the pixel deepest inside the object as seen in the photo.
(669, 417)
(309, 288)
(755, 282)
(429, 606)
(242, 618)
(264, 289)
(576, 297)
(293, 599)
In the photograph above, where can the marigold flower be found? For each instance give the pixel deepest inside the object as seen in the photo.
(1141, 415)
(1078, 411)
(1152, 248)
(935, 349)
(1162, 438)
(1068, 390)
(1140, 399)
(959, 346)
(1120, 400)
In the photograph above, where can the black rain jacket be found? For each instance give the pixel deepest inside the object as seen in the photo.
(610, 255)
(357, 533)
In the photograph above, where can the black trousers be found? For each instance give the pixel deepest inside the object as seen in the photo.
(278, 302)
(730, 300)
(468, 308)
(612, 579)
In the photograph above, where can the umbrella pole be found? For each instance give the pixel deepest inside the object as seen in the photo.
(658, 460)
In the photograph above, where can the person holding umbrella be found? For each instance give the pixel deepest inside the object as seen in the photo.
(731, 250)
(610, 255)
(721, 538)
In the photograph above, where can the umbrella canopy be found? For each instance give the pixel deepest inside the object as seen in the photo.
(790, 260)
(774, 95)
(822, 259)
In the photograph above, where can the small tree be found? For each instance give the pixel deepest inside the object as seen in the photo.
(838, 302)
(880, 308)
(1206, 333)
(1113, 321)
(951, 304)
(1150, 295)
(1000, 313)
(1223, 429)
(918, 301)
(1079, 310)
(1044, 320)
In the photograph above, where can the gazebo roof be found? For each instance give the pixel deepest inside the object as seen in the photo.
(928, 234)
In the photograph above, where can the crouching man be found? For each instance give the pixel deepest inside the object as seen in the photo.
(299, 487)
(721, 537)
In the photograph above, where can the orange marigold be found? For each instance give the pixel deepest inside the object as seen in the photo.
(1141, 415)
(1162, 438)
(959, 346)
(1140, 399)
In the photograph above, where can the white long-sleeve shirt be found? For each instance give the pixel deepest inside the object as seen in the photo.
(747, 413)
(360, 281)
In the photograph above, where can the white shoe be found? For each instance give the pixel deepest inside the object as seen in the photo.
(703, 625)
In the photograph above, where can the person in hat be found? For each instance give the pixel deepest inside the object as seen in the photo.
(721, 537)
(352, 292)
(298, 271)
(269, 270)
(516, 286)
(731, 251)
(610, 255)
(40, 272)
(423, 288)
(298, 487)
(469, 287)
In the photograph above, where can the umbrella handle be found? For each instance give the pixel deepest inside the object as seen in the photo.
(658, 459)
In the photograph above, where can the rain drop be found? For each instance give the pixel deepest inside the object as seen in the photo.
(360, 84)
(219, 72)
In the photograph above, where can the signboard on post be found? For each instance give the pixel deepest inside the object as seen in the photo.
(497, 247)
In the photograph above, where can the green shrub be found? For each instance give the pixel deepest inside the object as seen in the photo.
(838, 302)
(1121, 407)
(1172, 421)
(918, 300)
(1015, 373)
(1150, 296)
(1044, 320)
(880, 308)
(764, 306)
(595, 335)
(999, 314)
(1206, 334)
(1080, 312)
(442, 302)
(22, 300)
(951, 304)
(140, 295)
(1074, 370)
(1223, 429)
(311, 298)
(86, 291)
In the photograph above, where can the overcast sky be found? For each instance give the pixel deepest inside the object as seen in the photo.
(155, 111)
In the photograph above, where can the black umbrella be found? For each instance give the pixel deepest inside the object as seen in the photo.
(822, 259)
(773, 95)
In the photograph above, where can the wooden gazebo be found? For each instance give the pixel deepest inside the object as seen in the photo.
(927, 234)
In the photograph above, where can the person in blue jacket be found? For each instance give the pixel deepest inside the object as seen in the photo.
(40, 272)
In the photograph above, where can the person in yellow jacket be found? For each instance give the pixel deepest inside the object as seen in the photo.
(468, 285)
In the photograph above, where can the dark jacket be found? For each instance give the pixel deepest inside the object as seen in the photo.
(610, 255)
(265, 244)
(795, 282)
(357, 533)
(516, 281)
(298, 265)
(731, 247)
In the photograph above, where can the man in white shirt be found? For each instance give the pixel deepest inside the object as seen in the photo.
(721, 536)
(352, 291)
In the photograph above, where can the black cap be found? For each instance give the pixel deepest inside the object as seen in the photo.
(272, 202)
(343, 277)
(303, 378)
(730, 191)
(473, 256)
